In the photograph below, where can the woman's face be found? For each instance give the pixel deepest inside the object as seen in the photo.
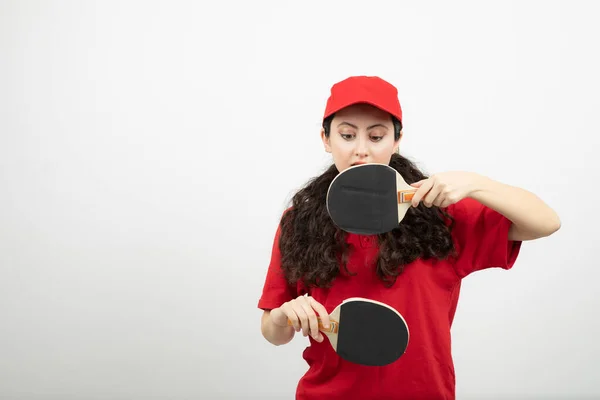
(360, 134)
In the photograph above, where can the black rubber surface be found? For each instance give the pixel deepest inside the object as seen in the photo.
(364, 200)
(371, 334)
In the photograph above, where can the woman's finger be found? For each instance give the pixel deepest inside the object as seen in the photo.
(312, 325)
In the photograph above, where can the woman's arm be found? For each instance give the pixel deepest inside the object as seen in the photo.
(531, 217)
(274, 333)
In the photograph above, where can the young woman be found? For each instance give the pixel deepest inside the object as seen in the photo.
(460, 222)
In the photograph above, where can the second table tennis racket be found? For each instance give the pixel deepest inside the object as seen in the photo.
(366, 332)
(369, 199)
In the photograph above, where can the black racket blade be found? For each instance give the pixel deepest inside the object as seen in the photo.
(364, 199)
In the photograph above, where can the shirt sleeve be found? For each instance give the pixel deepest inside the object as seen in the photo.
(276, 289)
(481, 238)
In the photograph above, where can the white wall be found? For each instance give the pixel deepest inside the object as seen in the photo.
(139, 199)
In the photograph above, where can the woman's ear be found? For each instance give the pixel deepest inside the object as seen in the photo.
(325, 140)
(397, 144)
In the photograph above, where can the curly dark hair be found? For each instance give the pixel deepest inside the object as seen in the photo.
(312, 247)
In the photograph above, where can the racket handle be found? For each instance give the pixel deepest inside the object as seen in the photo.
(406, 196)
(333, 326)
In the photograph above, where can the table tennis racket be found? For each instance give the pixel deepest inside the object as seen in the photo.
(366, 332)
(369, 199)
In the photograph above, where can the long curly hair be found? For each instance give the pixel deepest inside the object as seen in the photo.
(313, 249)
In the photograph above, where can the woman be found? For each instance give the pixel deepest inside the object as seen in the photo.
(459, 223)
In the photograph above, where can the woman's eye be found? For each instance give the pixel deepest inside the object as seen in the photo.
(346, 136)
(376, 138)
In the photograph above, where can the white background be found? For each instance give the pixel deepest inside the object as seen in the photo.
(147, 150)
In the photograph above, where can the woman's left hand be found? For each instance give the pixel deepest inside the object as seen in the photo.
(446, 188)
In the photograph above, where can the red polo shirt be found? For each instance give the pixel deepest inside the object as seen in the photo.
(426, 294)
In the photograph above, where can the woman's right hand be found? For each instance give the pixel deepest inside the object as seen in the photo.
(302, 312)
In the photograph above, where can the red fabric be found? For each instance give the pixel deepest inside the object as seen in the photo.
(364, 89)
(426, 294)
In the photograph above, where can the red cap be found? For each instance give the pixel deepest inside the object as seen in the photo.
(364, 89)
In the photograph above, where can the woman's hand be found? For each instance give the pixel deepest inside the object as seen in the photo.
(445, 188)
(302, 312)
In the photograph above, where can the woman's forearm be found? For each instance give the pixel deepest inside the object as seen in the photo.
(275, 334)
(531, 217)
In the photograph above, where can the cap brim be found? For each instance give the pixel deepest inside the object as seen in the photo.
(362, 101)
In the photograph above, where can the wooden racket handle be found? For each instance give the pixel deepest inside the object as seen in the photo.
(333, 326)
(406, 196)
